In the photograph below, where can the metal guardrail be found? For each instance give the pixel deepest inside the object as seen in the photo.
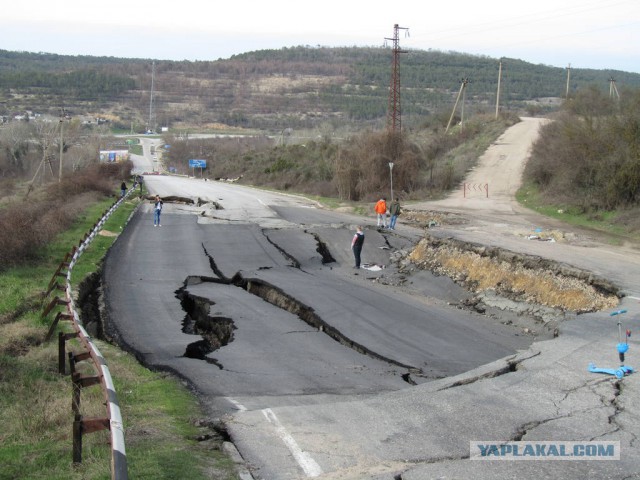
(113, 419)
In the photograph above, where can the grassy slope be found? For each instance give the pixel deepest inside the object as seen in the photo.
(602, 224)
(36, 438)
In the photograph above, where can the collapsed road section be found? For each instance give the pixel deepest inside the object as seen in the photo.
(217, 331)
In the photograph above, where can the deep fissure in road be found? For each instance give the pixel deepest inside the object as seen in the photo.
(280, 299)
(322, 249)
(216, 331)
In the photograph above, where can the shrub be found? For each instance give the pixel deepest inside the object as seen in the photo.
(25, 227)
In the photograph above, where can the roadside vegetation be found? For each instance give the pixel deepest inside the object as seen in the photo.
(167, 436)
(427, 162)
(585, 167)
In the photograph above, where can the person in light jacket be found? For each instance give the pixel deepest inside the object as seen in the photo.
(381, 212)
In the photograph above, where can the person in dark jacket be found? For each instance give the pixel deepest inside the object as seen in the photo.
(157, 210)
(394, 211)
(123, 189)
(356, 245)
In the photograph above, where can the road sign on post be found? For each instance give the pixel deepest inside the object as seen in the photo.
(197, 163)
(201, 164)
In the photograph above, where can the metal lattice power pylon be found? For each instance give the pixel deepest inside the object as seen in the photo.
(394, 111)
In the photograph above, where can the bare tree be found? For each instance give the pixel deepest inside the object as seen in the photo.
(15, 139)
(44, 135)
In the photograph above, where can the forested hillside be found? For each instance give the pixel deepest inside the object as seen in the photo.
(298, 87)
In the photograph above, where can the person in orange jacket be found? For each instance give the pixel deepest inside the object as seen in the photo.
(381, 212)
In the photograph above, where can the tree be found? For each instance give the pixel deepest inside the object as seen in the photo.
(14, 137)
(44, 135)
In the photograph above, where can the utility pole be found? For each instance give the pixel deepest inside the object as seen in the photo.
(153, 75)
(394, 120)
(613, 90)
(463, 87)
(498, 93)
(568, 79)
(61, 145)
(63, 117)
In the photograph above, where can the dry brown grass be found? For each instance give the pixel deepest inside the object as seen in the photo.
(480, 273)
(17, 339)
(26, 226)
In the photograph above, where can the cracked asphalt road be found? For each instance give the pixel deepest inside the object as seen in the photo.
(379, 427)
(306, 325)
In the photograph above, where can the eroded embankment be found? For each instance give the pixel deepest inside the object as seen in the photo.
(519, 277)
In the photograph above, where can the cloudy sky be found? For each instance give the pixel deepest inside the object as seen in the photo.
(600, 34)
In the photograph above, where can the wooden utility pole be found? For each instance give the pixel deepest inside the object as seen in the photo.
(613, 90)
(151, 126)
(498, 93)
(463, 87)
(62, 118)
(568, 79)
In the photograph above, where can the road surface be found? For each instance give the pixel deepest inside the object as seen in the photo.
(251, 296)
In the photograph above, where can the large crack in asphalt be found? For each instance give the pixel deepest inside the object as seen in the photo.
(511, 366)
(218, 331)
(275, 296)
(322, 249)
(295, 263)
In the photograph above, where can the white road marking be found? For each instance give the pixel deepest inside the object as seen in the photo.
(308, 464)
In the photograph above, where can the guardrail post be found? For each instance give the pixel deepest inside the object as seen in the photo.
(61, 354)
(77, 439)
(75, 395)
(80, 426)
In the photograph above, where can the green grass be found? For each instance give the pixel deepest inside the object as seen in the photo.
(135, 149)
(604, 222)
(35, 400)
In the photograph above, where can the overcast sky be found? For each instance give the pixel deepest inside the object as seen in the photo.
(600, 34)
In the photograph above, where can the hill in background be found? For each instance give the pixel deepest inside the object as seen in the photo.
(273, 90)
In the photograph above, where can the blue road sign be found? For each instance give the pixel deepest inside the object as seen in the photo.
(197, 163)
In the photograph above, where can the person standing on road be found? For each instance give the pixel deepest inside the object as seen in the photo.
(123, 189)
(356, 245)
(394, 211)
(381, 212)
(157, 210)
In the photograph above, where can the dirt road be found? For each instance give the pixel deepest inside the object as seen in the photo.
(491, 186)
